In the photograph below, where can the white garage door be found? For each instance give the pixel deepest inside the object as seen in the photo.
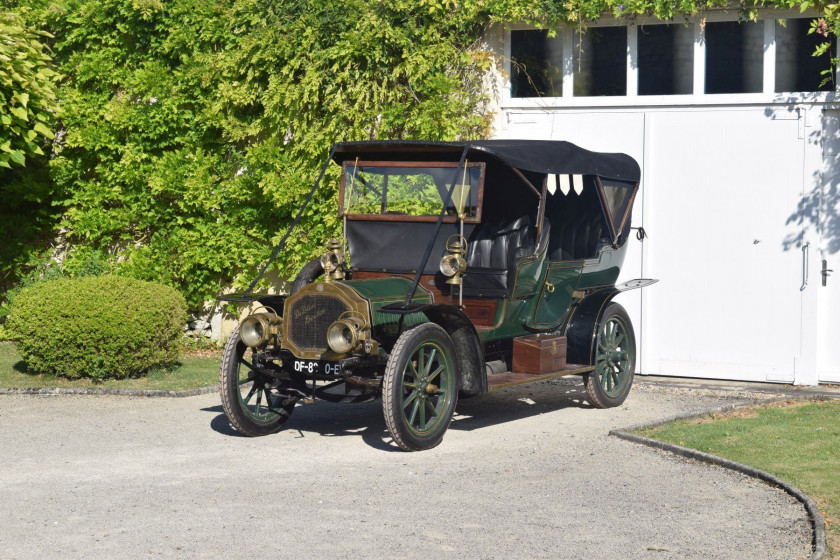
(722, 208)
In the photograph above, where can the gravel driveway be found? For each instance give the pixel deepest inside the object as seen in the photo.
(527, 472)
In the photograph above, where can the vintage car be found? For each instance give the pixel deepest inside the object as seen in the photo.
(464, 267)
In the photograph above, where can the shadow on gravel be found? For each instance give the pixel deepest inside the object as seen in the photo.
(365, 420)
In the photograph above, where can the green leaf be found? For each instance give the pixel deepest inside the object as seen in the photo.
(17, 158)
(19, 112)
(41, 129)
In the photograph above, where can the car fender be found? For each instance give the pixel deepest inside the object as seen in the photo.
(468, 352)
(582, 325)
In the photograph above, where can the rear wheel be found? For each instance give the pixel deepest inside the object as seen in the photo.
(615, 359)
(252, 405)
(420, 388)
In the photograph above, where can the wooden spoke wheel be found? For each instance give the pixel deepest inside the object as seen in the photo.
(615, 359)
(251, 403)
(420, 388)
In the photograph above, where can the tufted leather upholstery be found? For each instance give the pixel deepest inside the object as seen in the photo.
(577, 237)
(494, 250)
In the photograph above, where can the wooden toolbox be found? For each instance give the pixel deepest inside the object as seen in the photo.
(539, 353)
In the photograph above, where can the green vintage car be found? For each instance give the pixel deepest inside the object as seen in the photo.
(463, 267)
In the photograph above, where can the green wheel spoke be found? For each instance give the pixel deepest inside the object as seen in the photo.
(435, 374)
(421, 362)
(422, 416)
(430, 362)
(414, 412)
(433, 407)
(413, 370)
(618, 340)
(250, 394)
(246, 364)
(259, 401)
(244, 381)
(410, 399)
(409, 385)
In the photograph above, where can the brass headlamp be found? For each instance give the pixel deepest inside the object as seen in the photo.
(347, 333)
(256, 329)
(332, 261)
(453, 265)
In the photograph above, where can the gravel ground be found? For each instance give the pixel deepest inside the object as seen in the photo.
(527, 472)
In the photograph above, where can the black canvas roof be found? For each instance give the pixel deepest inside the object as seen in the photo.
(539, 156)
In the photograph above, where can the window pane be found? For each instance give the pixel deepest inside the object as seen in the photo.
(734, 57)
(666, 59)
(409, 191)
(796, 69)
(617, 196)
(601, 62)
(536, 64)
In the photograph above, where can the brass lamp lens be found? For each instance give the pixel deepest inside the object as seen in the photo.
(253, 331)
(342, 336)
(449, 265)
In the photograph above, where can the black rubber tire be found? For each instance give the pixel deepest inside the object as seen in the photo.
(599, 396)
(242, 417)
(425, 336)
(308, 274)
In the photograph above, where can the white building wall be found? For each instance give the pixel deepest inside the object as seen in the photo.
(733, 188)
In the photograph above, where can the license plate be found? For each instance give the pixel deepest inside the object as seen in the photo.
(317, 367)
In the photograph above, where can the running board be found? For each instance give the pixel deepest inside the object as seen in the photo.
(509, 379)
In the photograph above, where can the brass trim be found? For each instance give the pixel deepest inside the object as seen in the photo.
(347, 295)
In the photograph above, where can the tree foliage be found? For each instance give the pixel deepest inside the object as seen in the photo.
(27, 115)
(191, 131)
(27, 96)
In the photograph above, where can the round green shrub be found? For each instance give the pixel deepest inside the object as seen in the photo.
(97, 326)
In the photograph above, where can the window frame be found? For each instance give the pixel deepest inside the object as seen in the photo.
(480, 165)
(697, 97)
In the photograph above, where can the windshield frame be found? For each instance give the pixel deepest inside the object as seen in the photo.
(480, 165)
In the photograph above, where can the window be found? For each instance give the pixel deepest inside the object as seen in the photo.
(536, 64)
(658, 59)
(600, 62)
(409, 189)
(666, 59)
(617, 197)
(796, 69)
(734, 57)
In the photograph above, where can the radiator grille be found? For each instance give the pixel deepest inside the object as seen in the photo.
(310, 316)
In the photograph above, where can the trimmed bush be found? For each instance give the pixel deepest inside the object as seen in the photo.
(97, 326)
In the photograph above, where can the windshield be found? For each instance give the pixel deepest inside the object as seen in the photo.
(411, 189)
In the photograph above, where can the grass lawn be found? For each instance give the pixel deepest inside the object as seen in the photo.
(797, 441)
(195, 369)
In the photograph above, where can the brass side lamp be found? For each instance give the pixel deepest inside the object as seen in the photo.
(453, 265)
(332, 261)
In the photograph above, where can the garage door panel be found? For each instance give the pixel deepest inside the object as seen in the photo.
(719, 209)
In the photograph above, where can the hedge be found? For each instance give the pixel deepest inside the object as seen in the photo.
(99, 327)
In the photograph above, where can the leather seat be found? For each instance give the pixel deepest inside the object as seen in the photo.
(494, 250)
(578, 237)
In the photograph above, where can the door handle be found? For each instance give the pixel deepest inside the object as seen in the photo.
(825, 272)
(805, 254)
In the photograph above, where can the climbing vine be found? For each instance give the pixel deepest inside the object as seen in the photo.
(190, 131)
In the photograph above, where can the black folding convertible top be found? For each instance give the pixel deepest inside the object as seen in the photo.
(539, 156)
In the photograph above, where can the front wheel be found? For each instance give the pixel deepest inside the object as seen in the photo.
(615, 359)
(420, 388)
(251, 403)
